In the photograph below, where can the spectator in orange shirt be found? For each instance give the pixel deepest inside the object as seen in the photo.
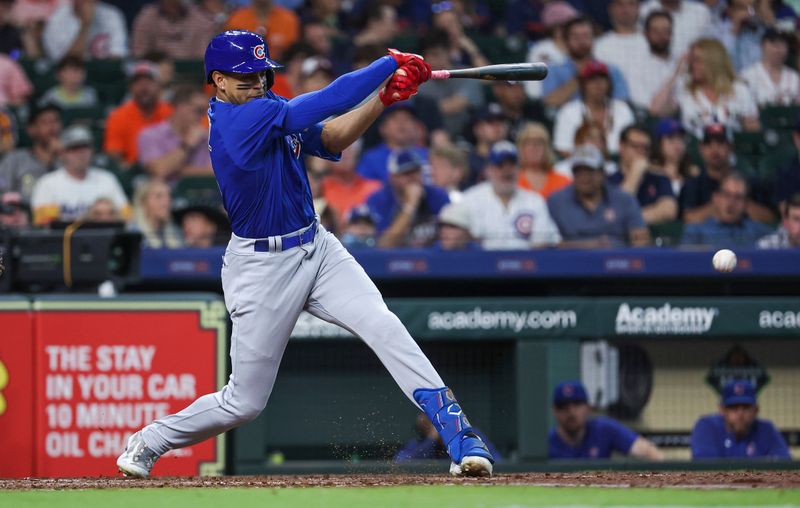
(345, 189)
(536, 161)
(278, 25)
(143, 109)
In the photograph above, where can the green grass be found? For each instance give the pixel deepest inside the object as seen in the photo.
(411, 497)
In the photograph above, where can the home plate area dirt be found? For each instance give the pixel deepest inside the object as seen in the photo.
(692, 480)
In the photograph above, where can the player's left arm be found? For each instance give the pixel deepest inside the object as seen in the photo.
(341, 132)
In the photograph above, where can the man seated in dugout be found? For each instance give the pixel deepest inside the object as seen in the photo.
(579, 436)
(736, 432)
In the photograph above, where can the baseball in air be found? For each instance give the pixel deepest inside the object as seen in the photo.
(724, 260)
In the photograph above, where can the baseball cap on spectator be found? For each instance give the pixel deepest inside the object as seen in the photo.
(438, 7)
(558, 13)
(668, 127)
(569, 391)
(404, 161)
(400, 106)
(76, 135)
(738, 392)
(593, 69)
(492, 111)
(454, 215)
(360, 213)
(715, 132)
(144, 69)
(315, 64)
(502, 151)
(587, 156)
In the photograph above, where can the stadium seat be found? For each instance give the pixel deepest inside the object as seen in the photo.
(497, 49)
(86, 116)
(749, 147)
(779, 117)
(109, 79)
(191, 71)
(667, 234)
(196, 190)
(409, 43)
(41, 73)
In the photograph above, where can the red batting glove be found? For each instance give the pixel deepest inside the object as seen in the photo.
(412, 60)
(399, 88)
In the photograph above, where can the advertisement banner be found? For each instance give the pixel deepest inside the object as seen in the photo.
(16, 388)
(532, 318)
(105, 369)
(496, 318)
(711, 317)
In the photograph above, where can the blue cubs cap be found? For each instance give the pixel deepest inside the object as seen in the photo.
(238, 51)
(360, 213)
(569, 391)
(492, 112)
(668, 127)
(739, 392)
(404, 161)
(502, 151)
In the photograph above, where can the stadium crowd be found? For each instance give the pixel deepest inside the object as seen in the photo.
(666, 122)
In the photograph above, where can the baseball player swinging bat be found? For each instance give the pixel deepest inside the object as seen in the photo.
(501, 72)
(281, 261)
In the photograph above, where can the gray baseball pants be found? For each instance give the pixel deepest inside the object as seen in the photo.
(265, 293)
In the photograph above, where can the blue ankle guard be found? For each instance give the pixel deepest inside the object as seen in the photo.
(447, 417)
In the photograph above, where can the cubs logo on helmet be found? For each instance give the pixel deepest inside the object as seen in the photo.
(238, 51)
(258, 52)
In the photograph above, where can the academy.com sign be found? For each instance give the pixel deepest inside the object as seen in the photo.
(516, 321)
(664, 320)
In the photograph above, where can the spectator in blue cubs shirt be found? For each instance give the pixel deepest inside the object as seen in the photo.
(736, 432)
(577, 436)
(406, 210)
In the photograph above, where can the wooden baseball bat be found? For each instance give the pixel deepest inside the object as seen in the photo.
(502, 72)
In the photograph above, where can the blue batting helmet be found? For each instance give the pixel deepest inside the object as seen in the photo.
(238, 51)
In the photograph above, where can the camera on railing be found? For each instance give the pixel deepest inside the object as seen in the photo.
(69, 257)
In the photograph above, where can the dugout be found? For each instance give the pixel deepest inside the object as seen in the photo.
(651, 362)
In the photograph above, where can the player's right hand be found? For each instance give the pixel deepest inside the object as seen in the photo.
(401, 86)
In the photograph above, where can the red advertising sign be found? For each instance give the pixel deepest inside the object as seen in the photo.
(106, 369)
(16, 389)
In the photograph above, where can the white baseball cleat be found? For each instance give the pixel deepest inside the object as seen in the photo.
(137, 459)
(472, 466)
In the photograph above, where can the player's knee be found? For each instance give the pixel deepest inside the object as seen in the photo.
(245, 410)
(247, 413)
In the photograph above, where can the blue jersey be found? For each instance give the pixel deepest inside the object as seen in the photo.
(257, 147)
(711, 440)
(260, 168)
(603, 436)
